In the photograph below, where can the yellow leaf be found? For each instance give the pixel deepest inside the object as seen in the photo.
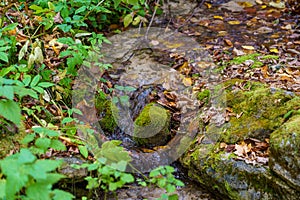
(218, 17)
(274, 50)
(234, 22)
(187, 81)
(208, 5)
(245, 4)
(248, 47)
(263, 6)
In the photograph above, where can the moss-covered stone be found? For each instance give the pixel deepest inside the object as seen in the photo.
(285, 151)
(104, 108)
(264, 112)
(151, 127)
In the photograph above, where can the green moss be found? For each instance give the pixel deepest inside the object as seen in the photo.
(262, 110)
(241, 59)
(104, 109)
(151, 127)
(204, 96)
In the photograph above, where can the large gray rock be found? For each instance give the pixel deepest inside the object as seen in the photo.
(257, 113)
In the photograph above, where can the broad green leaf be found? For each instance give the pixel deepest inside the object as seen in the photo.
(83, 150)
(5, 71)
(127, 178)
(26, 156)
(136, 20)
(16, 175)
(51, 6)
(133, 2)
(7, 91)
(38, 191)
(121, 166)
(81, 9)
(35, 80)
(2, 188)
(67, 120)
(28, 138)
(57, 145)
(38, 89)
(26, 80)
(44, 166)
(62, 195)
(116, 3)
(45, 131)
(54, 178)
(4, 57)
(127, 20)
(35, 7)
(43, 143)
(10, 27)
(21, 91)
(10, 110)
(114, 153)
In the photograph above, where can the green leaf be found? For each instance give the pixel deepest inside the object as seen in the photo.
(7, 91)
(43, 143)
(83, 150)
(10, 27)
(26, 80)
(67, 120)
(92, 182)
(133, 2)
(2, 188)
(57, 145)
(28, 138)
(113, 153)
(127, 20)
(22, 91)
(127, 178)
(62, 195)
(121, 166)
(45, 131)
(45, 84)
(4, 57)
(173, 197)
(10, 110)
(116, 3)
(35, 80)
(38, 191)
(81, 9)
(26, 156)
(170, 188)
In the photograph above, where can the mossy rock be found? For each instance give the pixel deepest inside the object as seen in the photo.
(285, 151)
(151, 127)
(104, 108)
(266, 113)
(262, 110)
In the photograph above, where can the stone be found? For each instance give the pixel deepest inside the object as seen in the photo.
(151, 127)
(258, 112)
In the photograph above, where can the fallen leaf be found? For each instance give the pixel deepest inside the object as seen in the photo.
(248, 47)
(234, 22)
(218, 17)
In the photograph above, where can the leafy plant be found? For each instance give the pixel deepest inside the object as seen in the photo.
(23, 176)
(163, 177)
(110, 167)
(7, 44)
(43, 139)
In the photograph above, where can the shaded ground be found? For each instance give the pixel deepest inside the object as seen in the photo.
(255, 27)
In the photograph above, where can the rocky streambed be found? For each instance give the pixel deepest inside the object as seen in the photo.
(238, 139)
